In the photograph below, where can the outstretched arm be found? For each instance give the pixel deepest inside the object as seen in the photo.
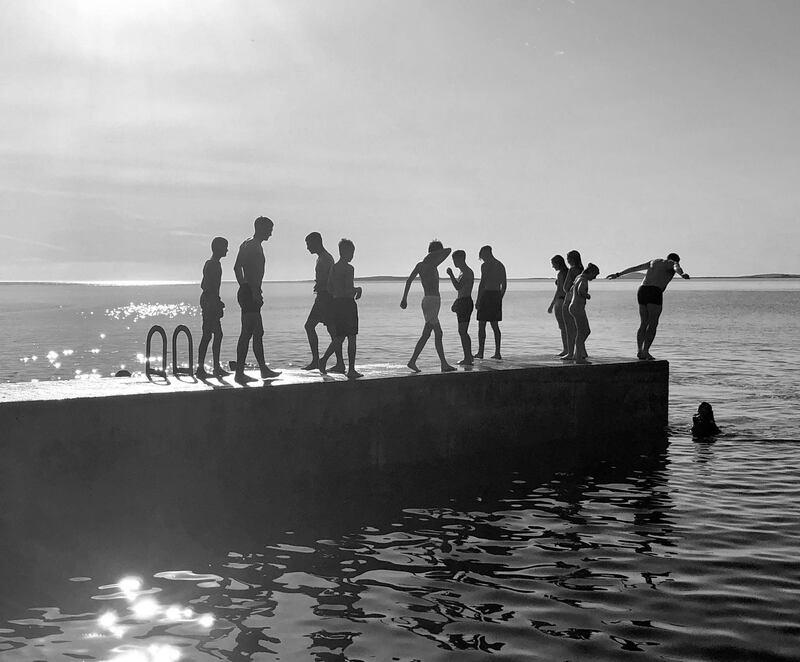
(409, 280)
(629, 270)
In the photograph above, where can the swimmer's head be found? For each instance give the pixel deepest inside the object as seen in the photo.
(459, 258)
(346, 249)
(314, 242)
(485, 252)
(591, 271)
(263, 228)
(574, 259)
(219, 247)
(705, 411)
(558, 263)
(674, 257)
(435, 245)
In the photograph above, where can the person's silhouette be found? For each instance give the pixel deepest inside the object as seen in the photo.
(575, 269)
(557, 304)
(249, 270)
(577, 310)
(491, 291)
(428, 272)
(463, 305)
(212, 309)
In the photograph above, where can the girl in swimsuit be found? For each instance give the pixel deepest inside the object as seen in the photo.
(557, 304)
(575, 268)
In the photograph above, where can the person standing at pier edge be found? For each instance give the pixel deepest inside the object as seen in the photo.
(491, 291)
(249, 270)
(463, 305)
(428, 271)
(212, 309)
(658, 274)
(575, 268)
(344, 310)
(321, 310)
(577, 309)
(557, 304)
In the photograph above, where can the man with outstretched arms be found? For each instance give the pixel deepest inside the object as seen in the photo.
(463, 305)
(321, 311)
(658, 274)
(428, 272)
(491, 291)
(249, 270)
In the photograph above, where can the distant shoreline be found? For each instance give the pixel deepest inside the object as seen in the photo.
(367, 279)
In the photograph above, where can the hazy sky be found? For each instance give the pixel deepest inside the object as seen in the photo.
(133, 131)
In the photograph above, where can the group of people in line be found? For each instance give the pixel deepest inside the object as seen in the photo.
(336, 295)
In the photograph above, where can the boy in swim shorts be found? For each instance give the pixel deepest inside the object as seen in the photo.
(491, 291)
(428, 272)
(577, 308)
(212, 309)
(463, 305)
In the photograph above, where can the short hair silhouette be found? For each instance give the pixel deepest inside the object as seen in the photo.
(435, 245)
(218, 243)
(675, 258)
(486, 248)
(459, 255)
(346, 244)
(592, 267)
(313, 237)
(558, 260)
(262, 222)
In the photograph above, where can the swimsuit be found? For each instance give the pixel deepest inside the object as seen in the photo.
(650, 294)
(321, 310)
(245, 298)
(463, 307)
(491, 307)
(430, 308)
(344, 316)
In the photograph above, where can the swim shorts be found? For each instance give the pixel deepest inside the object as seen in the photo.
(463, 308)
(491, 308)
(650, 294)
(245, 298)
(344, 315)
(430, 308)
(321, 310)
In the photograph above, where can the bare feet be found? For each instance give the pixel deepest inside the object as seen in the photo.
(466, 362)
(479, 355)
(338, 368)
(243, 379)
(220, 372)
(562, 353)
(413, 366)
(353, 374)
(313, 365)
(321, 367)
(649, 357)
(582, 362)
(266, 373)
(201, 373)
(446, 367)
(568, 357)
(497, 356)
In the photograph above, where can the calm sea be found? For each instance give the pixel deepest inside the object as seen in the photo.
(689, 554)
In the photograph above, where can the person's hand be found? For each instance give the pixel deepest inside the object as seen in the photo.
(550, 308)
(686, 276)
(449, 272)
(358, 292)
(588, 296)
(404, 304)
(612, 276)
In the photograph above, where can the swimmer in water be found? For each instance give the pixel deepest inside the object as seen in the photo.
(703, 423)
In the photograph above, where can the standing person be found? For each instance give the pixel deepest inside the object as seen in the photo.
(557, 304)
(344, 309)
(575, 268)
(491, 291)
(659, 273)
(577, 309)
(212, 309)
(249, 270)
(321, 310)
(463, 305)
(428, 272)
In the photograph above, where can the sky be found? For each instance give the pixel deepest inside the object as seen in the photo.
(133, 132)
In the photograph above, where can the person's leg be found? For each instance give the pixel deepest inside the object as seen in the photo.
(496, 331)
(653, 315)
(258, 348)
(466, 343)
(437, 340)
(641, 332)
(339, 367)
(352, 373)
(313, 340)
(216, 350)
(583, 331)
(481, 338)
(572, 331)
(241, 348)
(426, 333)
(202, 348)
(559, 313)
(335, 346)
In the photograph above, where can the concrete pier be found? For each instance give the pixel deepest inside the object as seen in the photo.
(186, 439)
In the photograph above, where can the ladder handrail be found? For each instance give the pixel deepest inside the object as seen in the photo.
(148, 369)
(182, 328)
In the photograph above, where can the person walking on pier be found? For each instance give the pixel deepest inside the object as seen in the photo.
(491, 291)
(249, 270)
(463, 305)
(321, 310)
(212, 309)
(557, 304)
(344, 310)
(575, 268)
(428, 271)
(650, 296)
(577, 309)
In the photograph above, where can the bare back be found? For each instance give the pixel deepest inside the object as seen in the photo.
(493, 276)
(429, 275)
(341, 280)
(250, 262)
(465, 283)
(659, 273)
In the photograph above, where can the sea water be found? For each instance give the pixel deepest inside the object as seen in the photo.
(686, 554)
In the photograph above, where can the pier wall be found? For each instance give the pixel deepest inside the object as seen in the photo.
(190, 446)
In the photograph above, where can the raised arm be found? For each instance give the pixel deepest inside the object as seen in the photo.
(456, 281)
(679, 271)
(409, 280)
(437, 257)
(629, 270)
